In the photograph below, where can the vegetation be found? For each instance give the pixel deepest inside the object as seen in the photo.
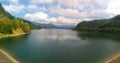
(10, 24)
(104, 25)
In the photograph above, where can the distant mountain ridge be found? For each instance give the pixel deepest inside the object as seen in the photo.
(108, 25)
(50, 25)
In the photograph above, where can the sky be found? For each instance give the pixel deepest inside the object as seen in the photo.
(62, 12)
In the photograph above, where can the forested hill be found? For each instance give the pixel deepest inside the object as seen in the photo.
(103, 25)
(9, 24)
(3, 13)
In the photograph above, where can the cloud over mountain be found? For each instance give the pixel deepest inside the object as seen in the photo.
(62, 11)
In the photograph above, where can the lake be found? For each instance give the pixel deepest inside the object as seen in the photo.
(61, 46)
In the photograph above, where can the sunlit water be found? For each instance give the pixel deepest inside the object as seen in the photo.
(61, 46)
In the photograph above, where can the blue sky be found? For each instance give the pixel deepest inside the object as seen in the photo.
(62, 12)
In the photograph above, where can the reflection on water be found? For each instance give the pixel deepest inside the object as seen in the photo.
(55, 34)
(60, 46)
(99, 35)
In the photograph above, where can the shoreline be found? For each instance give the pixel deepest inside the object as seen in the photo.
(11, 35)
(114, 59)
(7, 58)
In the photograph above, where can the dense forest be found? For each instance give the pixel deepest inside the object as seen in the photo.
(103, 25)
(9, 24)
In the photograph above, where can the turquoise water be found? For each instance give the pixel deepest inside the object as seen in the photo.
(61, 46)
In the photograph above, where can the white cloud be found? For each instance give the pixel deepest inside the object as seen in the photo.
(14, 1)
(41, 17)
(68, 21)
(41, 1)
(14, 8)
(82, 9)
(52, 20)
(114, 7)
(42, 8)
(32, 7)
(38, 16)
(89, 13)
(82, 4)
(70, 3)
(64, 12)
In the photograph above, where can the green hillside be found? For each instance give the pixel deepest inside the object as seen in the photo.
(10, 24)
(107, 25)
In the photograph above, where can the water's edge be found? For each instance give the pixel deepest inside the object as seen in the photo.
(12, 35)
(10, 58)
(43, 41)
(113, 58)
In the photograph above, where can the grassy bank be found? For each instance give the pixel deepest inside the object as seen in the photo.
(16, 32)
(10, 35)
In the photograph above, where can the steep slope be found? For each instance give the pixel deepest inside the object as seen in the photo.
(116, 17)
(114, 22)
(4, 13)
(10, 24)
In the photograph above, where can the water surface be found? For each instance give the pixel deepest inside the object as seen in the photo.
(61, 46)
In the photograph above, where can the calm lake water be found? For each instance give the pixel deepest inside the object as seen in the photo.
(61, 46)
